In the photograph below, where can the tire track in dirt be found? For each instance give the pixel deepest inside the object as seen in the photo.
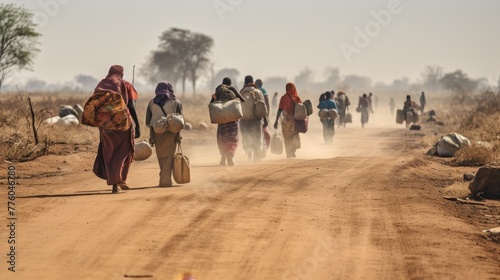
(349, 217)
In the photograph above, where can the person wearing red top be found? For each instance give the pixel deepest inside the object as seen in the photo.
(116, 148)
(287, 107)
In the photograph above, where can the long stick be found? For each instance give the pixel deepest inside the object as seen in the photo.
(133, 75)
(33, 122)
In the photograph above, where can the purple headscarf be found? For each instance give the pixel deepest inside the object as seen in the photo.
(164, 91)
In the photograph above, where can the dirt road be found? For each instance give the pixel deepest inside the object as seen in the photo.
(368, 207)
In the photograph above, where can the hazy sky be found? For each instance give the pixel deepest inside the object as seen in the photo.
(273, 38)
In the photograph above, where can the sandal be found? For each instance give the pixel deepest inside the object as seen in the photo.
(116, 189)
(123, 186)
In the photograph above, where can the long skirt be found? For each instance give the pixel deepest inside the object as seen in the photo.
(290, 136)
(165, 149)
(251, 132)
(114, 155)
(364, 116)
(227, 138)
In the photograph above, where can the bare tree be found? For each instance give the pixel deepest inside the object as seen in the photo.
(18, 39)
(432, 76)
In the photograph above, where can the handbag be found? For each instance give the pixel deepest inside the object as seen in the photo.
(181, 169)
(301, 126)
(348, 118)
(277, 144)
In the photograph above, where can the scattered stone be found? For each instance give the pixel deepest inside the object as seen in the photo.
(66, 110)
(188, 126)
(415, 127)
(486, 183)
(493, 231)
(432, 151)
(468, 177)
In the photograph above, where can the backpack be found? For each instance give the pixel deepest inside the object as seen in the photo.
(106, 110)
(254, 107)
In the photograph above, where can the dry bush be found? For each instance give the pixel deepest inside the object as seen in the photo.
(477, 119)
(460, 190)
(17, 141)
(475, 156)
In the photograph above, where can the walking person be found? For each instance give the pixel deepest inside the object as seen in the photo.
(328, 123)
(287, 107)
(116, 148)
(392, 105)
(165, 102)
(227, 133)
(251, 125)
(410, 111)
(258, 85)
(370, 102)
(364, 106)
(343, 106)
(422, 102)
(265, 132)
(274, 103)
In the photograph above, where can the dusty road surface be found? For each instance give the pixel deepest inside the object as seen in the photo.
(368, 207)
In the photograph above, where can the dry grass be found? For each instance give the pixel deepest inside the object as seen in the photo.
(17, 141)
(475, 155)
(460, 190)
(477, 119)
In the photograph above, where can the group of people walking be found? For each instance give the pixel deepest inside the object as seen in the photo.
(254, 123)
(116, 148)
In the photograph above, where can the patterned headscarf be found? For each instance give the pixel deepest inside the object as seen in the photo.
(164, 91)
